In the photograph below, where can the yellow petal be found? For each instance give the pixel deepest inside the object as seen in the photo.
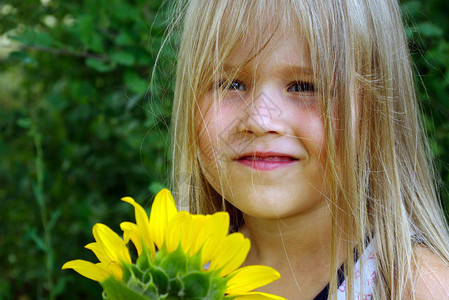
(231, 254)
(258, 296)
(194, 234)
(162, 211)
(113, 269)
(176, 229)
(113, 246)
(98, 250)
(87, 269)
(131, 232)
(142, 223)
(248, 278)
(188, 236)
(213, 234)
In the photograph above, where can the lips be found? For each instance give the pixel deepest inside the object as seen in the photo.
(267, 158)
(266, 161)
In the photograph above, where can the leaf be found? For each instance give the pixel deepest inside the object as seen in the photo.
(411, 8)
(123, 11)
(100, 65)
(32, 233)
(23, 58)
(123, 58)
(96, 43)
(24, 123)
(54, 218)
(134, 83)
(124, 39)
(85, 29)
(116, 290)
(428, 29)
(43, 39)
(33, 37)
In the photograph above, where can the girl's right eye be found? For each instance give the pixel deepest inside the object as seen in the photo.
(231, 85)
(302, 87)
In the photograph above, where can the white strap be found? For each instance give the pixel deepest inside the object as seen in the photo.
(369, 276)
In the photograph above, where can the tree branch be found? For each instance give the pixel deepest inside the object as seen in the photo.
(56, 51)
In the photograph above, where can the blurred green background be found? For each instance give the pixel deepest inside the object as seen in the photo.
(81, 125)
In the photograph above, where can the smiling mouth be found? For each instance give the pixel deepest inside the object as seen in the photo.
(266, 161)
(268, 158)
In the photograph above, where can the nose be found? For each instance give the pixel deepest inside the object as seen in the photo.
(263, 115)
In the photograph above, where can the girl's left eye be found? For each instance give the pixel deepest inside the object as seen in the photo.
(233, 85)
(302, 87)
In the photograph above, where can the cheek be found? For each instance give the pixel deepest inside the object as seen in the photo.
(310, 129)
(205, 132)
(216, 124)
(212, 123)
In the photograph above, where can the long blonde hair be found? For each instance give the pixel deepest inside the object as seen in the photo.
(382, 189)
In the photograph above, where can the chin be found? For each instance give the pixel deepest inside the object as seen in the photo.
(264, 207)
(275, 204)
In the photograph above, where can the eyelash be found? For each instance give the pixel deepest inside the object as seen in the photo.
(225, 85)
(237, 85)
(304, 87)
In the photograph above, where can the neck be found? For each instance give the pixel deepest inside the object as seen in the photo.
(298, 247)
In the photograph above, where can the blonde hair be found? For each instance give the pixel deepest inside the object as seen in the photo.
(382, 189)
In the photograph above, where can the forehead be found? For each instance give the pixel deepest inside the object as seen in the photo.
(267, 51)
(251, 31)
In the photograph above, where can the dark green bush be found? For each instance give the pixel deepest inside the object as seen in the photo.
(81, 128)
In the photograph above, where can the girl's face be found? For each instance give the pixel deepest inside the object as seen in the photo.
(262, 146)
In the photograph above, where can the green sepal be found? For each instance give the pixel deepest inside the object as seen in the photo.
(160, 279)
(151, 292)
(147, 277)
(166, 276)
(136, 284)
(136, 272)
(160, 254)
(196, 285)
(194, 262)
(174, 263)
(114, 289)
(126, 272)
(176, 287)
(217, 286)
(144, 259)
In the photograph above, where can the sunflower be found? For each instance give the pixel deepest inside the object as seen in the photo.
(180, 256)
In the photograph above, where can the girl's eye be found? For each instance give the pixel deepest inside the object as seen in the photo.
(301, 87)
(232, 85)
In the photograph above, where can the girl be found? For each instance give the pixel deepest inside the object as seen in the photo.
(299, 118)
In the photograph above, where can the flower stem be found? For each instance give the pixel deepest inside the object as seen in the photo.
(40, 198)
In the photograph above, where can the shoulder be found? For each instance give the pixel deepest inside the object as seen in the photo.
(432, 275)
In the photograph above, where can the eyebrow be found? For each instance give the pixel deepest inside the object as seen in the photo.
(282, 69)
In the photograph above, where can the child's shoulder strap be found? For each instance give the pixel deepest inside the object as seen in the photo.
(367, 271)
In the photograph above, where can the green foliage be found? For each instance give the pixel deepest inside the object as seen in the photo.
(428, 33)
(81, 126)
